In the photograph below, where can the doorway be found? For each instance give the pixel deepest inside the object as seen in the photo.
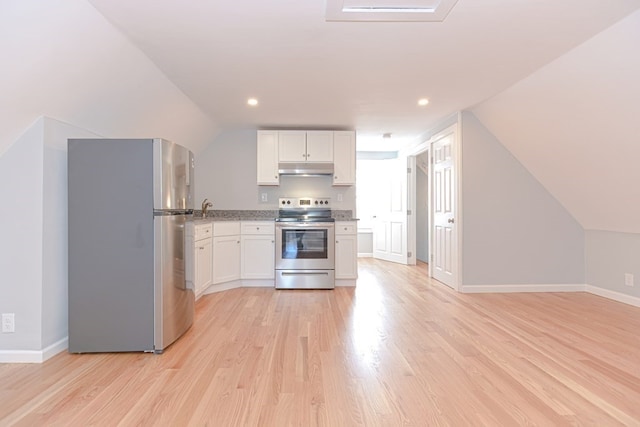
(422, 207)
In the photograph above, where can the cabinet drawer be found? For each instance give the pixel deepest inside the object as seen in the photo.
(203, 231)
(258, 227)
(346, 227)
(226, 228)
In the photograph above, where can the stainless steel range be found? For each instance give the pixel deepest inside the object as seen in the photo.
(305, 239)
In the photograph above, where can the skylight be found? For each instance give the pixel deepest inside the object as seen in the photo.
(388, 10)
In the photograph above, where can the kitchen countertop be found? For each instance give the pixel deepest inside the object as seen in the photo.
(257, 215)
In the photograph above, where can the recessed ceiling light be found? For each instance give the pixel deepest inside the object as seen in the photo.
(423, 101)
(252, 101)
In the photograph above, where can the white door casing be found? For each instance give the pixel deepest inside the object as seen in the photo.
(444, 248)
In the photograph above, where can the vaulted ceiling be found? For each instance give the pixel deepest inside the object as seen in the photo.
(368, 76)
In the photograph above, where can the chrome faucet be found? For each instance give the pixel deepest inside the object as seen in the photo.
(206, 204)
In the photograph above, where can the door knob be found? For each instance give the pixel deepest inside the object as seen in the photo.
(450, 220)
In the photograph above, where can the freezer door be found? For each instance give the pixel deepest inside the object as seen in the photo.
(174, 300)
(173, 169)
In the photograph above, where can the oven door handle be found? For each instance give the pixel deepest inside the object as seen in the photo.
(305, 273)
(300, 225)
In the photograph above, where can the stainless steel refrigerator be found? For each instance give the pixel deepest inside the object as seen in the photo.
(129, 201)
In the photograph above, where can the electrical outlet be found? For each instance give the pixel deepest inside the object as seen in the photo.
(264, 197)
(628, 279)
(339, 197)
(8, 322)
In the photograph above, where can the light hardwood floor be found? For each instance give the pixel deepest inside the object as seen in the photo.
(398, 349)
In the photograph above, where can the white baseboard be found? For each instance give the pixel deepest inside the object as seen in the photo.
(613, 295)
(258, 283)
(222, 287)
(243, 283)
(606, 293)
(346, 282)
(34, 356)
(486, 289)
(365, 255)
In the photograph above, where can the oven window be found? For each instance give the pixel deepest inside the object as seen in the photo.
(305, 244)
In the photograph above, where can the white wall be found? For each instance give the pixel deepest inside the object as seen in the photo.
(514, 231)
(574, 125)
(21, 225)
(66, 62)
(609, 256)
(33, 258)
(226, 175)
(63, 60)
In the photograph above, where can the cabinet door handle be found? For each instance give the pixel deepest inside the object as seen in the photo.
(337, 241)
(201, 248)
(276, 176)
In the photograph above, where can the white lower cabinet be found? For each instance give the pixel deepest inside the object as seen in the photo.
(257, 243)
(203, 268)
(204, 265)
(346, 250)
(226, 251)
(243, 250)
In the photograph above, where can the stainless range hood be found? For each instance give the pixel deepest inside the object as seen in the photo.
(305, 169)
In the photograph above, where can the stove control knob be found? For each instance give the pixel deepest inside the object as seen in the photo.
(288, 202)
(284, 203)
(316, 202)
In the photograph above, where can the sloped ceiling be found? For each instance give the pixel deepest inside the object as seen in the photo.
(575, 125)
(368, 76)
(63, 60)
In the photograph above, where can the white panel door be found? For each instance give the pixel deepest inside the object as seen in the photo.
(444, 244)
(390, 225)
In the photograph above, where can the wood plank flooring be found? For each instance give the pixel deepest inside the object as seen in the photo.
(397, 350)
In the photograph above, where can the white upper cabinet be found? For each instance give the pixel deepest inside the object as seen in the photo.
(268, 157)
(344, 158)
(292, 146)
(320, 146)
(299, 146)
(296, 146)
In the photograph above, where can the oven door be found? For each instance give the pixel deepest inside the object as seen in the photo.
(305, 246)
